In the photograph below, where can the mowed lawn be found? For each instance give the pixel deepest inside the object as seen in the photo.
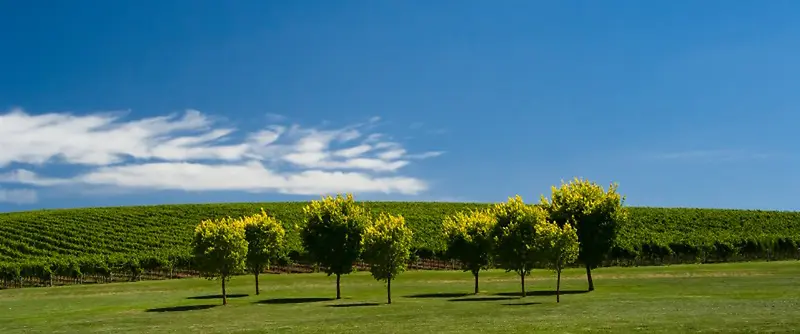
(742, 297)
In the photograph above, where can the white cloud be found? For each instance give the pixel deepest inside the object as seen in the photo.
(100, 140)
(190, 152)
(353, 151)
(425, 155)
(18, 196)
(248, 176)
(375, 137)
(392, 154)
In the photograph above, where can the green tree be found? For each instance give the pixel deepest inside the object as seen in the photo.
(387, 248)
(595, 214)
(558, 247)
(332, 232)
(265, 242)
(220, 249)
(515, 236)
(469, 240)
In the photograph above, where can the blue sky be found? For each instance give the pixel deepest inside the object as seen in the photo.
(682, 103)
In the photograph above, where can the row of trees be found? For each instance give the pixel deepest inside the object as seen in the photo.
(229, 246)
(337, 233)
(513, 235)
(578, 222)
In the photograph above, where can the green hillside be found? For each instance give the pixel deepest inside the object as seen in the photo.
(651, 234)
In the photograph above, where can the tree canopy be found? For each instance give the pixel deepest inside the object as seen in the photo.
(387, 248)
(593, 211)
(558, 247)
(220, 249)
(469, 240)
(332, 234)
(515, 236)
(266, 239)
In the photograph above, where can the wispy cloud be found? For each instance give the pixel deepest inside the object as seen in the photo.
(18, 196)
(711, 155)
(190, 152)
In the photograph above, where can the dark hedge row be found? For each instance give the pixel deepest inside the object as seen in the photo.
(113, 235)
(131, 267)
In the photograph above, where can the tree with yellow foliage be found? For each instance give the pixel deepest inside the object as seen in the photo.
(595, 214)
(332, 234)
(266, 239)
(220, 249)
(469, 240)
(515, 236)
(558, 247)
(387, 248)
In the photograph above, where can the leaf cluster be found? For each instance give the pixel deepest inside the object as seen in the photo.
(332, 231)
(515, 235)
(220, 247)
(595, 213)
(469, 238)
(266, 240)
(386, 246)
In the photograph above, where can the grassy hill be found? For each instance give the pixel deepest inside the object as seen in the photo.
(651, 234)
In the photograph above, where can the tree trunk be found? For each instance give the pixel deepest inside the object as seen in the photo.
(476, 281)
(224, 295)
(338, 290)
(389, 289)
(558, 286)
(522, 276)
(256, 274)
(589, 277)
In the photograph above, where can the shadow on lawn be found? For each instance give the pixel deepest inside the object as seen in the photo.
(294, 300)
(354, 305)
(218, 296)
(439, 295)
(541, 293)
(181, 308)
(523, 304)
(480, 299)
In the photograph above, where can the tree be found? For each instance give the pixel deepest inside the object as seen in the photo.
(595, 214)
(332, 234)
(558, 247)
(469, 240)
(220, 249)
(387, 248)
(265, 242)
(515, 236)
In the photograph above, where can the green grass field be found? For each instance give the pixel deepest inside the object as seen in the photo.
(731, 297)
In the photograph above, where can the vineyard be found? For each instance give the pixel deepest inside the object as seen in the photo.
(138, 239)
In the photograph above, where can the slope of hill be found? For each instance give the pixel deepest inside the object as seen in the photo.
(652, 234)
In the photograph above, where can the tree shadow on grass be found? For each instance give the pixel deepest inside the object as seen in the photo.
(294, 300)
(523, 304)
(439, 295)
(541, 293)
(218, 296)
(354, 305)
(480, 299)
(181, 308)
